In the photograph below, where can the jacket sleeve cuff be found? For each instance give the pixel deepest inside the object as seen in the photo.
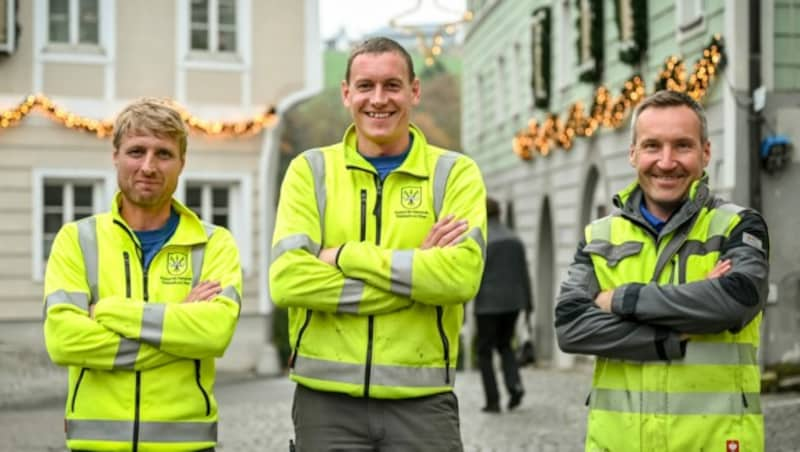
(623, 302)
(668, 344)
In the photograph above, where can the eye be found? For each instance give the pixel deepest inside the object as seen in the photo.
(135, 152)
(164, 154)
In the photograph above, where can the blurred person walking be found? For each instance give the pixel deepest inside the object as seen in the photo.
(505, 291)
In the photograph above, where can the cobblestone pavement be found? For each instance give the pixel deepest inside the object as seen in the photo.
(255, 416)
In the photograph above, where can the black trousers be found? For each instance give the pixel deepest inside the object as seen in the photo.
(494, 333)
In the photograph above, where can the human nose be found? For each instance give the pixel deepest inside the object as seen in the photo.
(378, 95)
(149, 163)
(666, 159)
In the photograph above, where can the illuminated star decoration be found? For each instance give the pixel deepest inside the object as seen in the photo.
(433, 49)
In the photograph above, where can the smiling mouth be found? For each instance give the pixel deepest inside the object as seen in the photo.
(378, 115)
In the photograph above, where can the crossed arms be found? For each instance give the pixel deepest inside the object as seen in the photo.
(119, 332)
(364, 279)
(652, 321)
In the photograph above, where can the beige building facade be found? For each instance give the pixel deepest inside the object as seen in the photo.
(222, 60)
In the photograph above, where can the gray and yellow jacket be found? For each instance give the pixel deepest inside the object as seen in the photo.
(141, 372)
(385, 323)
(654, 390)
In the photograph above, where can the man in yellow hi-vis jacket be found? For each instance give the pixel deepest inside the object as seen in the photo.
(379, 241)
(667, 292)
(140, 300)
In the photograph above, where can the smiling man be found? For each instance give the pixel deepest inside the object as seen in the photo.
(379, 242)
(139, 301)
(667, 292)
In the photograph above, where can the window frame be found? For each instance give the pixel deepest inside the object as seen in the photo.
(53, 52)
(237, 61)
(73, 28)
(690, 18)
(240, 206)
(103, 185)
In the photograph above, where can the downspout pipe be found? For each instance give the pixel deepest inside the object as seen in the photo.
(754, 141)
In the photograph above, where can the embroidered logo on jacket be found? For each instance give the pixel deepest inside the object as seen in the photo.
(411, 197)
(176, 263)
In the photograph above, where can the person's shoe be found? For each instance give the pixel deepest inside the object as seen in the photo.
(494, 408)
(515, 400)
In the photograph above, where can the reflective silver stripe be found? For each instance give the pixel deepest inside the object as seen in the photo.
(613, 253)
(675, 403)
(198, 254)
(149, 432)
(601, 229)
(382, 375)
(723, 215)
(231, 293)
(697, 247)
(126, 353)
(402, 264)
(294, 242)
(152, 323)
(350, 298)
(77, 299)
(87, 237)
(444, 165)
(719, 353)
(714, 353)
(316, 160)
(475, 234)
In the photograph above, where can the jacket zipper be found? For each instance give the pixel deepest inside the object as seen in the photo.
(445, 343)
(363, 234)
(377, 211)
(200, 385)
(137, 394)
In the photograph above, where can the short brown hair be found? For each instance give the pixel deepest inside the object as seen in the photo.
(153, 116)
(380, 45)
(667, 98)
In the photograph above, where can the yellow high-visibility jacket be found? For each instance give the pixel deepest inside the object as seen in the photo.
(653, 390)
(385, 323)
(141, 373)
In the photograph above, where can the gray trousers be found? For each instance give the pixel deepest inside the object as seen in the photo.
(328, 422)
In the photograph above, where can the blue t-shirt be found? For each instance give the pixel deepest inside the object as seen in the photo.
(385, 164)
(154, 240)
(655, 222)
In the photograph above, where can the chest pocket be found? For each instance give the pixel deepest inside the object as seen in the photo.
(611, 253)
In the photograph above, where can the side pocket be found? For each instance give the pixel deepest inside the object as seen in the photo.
(293, 357)
(75, 391)
(445, 343)
(200, 385)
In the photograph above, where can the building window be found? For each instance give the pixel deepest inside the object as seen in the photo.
(211, 202)
(566, 48)
(73, 22)
(65, 200)
(213, 26)
(689, 15)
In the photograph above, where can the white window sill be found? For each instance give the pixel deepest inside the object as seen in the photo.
(218, 61)
(74, 53)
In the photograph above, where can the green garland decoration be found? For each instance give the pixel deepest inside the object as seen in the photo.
(591, 72)
(541, 40)
(631, 51)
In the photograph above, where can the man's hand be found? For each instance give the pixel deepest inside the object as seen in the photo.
(204, 291)
(603, 300)
(444, 233)
(328, 255)
(720, 269)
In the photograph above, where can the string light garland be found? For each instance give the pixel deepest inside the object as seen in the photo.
(105, 128)
(611, 112)
(431, 51)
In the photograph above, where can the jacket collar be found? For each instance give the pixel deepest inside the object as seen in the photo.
(415, 164)
(190, 229)
(629, 199)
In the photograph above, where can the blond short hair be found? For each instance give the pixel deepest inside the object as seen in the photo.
(151, 116)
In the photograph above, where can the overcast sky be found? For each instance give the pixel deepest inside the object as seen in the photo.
(362, 16)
